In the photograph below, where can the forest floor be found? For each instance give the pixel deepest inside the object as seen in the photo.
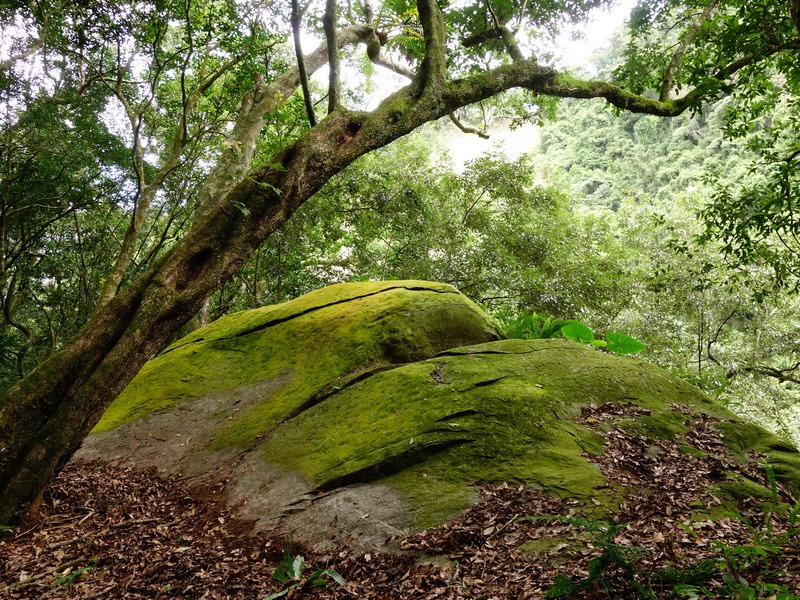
(114, 533)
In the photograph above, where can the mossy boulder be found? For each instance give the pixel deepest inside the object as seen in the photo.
(363, 411)
(309, 347)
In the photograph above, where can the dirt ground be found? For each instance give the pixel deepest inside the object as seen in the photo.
(111, 532)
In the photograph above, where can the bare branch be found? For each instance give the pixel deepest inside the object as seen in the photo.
(377, 57)
(715, 338)
(468, 128)
(301, 67)
(476, 39)
(500, 31)
(37, 45)
(568, 87)
(369, 13)
(497, 23)
(787, 375)
(511, 44)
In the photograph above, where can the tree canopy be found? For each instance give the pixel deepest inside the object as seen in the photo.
(160, 144)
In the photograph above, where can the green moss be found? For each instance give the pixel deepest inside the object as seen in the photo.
(496, 413)
(744, 439)
(353, 390)
(542, 547)
(567, 80)
(305, 346)
(691, 450)
(492, 424)
(737, 488)
(665, 425)
(431, 499)
(741, 437)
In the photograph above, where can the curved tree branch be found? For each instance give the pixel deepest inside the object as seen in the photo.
(468, 128)
(565, 86)
(301, 67)
(477, 39)
(787, 375)
(387, 63)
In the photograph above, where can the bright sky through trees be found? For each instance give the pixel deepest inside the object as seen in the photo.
(601, 26)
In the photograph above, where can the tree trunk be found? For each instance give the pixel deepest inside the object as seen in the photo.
(44, 418)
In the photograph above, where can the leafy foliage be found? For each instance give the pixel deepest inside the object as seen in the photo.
(757, 221)
(528, 326)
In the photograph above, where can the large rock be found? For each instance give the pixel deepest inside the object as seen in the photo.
(363, 411)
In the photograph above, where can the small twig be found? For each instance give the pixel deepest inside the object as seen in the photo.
(130, 579)
(104, 591)
(133, 522)
(89, 514)
(499, 529)
(329, 25)
(301, 66)
(40, 576)
(77, 538)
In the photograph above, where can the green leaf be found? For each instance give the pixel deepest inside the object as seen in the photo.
(242, 208)
(690, 592)
(283, 572)
(620, 343)
(316, 579)
(577, 332)
(335, 576)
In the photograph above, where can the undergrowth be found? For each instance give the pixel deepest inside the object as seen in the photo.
(531, 326)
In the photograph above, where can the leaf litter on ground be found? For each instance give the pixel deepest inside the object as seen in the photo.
(105, 532)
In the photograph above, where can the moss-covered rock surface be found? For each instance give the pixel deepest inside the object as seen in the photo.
(363, 411)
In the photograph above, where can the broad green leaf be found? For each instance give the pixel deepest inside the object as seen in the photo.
(620, 343)
(577, 332)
